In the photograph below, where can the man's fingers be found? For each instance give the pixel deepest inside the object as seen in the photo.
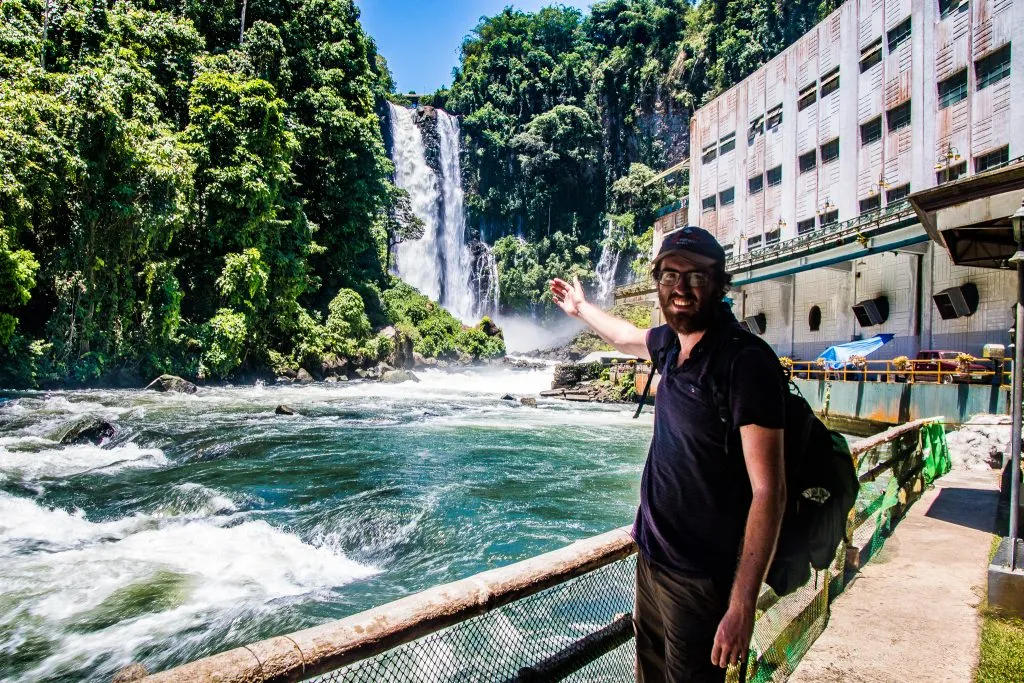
(716, 652)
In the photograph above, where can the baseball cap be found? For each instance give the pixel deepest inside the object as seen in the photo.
(693, 244)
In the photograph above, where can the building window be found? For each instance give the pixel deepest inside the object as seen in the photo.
(808, 96)
(897, 193)
(755, 184)
(753, 242)
(814, 319)
(992, 159)
(898, 35)
(756, 128)
(727, 248)
(774, 176)
(993, 68)
(829, 217)
(774, 118)
(898, 117)
(830, 151)
(871, 131)
(871, 55)
(808, 161)
(953, 89)
(708, 203)
(872, 203)
(829, 83)
(727, 197)
(709, 153)
(804, 227)
(951, 173)
(727, 144)
(772, 238)
(947, 7)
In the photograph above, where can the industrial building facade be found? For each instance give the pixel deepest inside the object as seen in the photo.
(802, 172)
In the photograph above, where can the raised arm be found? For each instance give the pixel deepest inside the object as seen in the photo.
(622, 334)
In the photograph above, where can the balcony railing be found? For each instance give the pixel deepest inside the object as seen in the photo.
(565, 615)
(860, 228)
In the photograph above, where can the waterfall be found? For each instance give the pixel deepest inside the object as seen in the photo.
(484, 277)
(440, 264)
(417, 261)
(606, 267)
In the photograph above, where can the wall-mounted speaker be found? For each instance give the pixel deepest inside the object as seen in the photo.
(872, 311)
(957, 302)
(755, 323)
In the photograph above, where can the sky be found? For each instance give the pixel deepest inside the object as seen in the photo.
(421, 38)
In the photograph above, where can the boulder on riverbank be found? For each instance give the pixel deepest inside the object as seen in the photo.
(398, 376)
(89, 430)
(980, 444)
(571, 374)
(171, 383)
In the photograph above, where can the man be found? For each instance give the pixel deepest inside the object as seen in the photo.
(709, 515)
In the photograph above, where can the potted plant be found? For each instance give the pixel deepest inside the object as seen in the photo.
(902, 365)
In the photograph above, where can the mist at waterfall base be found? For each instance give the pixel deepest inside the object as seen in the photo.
(210, 522)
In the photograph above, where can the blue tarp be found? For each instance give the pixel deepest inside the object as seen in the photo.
(839, 355)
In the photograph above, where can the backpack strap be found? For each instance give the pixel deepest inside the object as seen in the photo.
(666, 353)
(719, 373)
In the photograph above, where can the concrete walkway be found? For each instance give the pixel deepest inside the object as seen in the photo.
(911, 613)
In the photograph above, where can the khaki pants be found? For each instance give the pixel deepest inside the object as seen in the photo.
(675, 618)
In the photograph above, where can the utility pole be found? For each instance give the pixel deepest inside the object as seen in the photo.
(1018, 360)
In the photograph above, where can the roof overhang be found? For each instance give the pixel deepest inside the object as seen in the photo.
(971, 217)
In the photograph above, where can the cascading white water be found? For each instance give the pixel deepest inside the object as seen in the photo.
(439, 264)
(457, 261)
(487, 288)
(416, 261)
(606, 267)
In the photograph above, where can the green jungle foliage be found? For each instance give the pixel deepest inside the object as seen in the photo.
(565, 115)
(182, 193)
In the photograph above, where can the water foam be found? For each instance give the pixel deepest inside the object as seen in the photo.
(31, 458)
(100, 592)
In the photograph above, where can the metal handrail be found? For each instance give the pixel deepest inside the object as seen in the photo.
(850, 228)
(911, 371)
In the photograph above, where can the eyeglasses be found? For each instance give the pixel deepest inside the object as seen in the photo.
(695, 279)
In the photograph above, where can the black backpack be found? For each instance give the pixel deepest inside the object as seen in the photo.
(821, 481)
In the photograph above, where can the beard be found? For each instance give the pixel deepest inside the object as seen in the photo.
(686, 323)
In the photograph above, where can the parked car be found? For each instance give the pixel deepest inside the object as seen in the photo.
(942, 366)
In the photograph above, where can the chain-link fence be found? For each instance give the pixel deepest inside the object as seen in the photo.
(566, 615)
(579, 630)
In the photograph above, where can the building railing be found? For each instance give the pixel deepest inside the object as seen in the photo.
(979, 371)
(825, 236)
(566, 614)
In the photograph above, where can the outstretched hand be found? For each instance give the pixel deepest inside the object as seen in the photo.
(568, 297)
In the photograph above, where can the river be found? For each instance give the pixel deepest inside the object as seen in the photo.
(209, 521)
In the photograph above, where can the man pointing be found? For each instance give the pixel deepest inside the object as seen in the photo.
(711, 502)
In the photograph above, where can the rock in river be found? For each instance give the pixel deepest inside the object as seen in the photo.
(398, 376)
(172, 383)
(284, 410)
(89, 430)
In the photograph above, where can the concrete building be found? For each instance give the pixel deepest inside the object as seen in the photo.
(802, 171)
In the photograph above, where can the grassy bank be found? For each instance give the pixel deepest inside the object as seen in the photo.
(1001, 657)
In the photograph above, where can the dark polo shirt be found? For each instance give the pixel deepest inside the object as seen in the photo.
(694, 496)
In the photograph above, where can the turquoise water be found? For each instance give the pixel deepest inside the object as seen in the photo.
(209, 521)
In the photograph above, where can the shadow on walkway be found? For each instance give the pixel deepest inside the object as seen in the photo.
(967, 507)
